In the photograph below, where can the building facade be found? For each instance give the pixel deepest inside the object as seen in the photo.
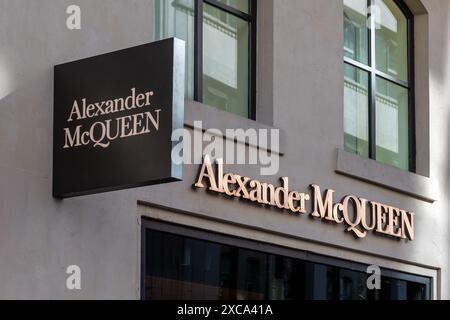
(357, 92)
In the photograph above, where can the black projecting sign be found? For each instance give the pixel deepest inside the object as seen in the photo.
(113, 119)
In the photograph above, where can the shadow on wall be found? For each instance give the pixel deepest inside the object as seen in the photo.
(26, 112)
(439, 34)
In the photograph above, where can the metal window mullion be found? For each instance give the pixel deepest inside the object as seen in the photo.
(357, 64)
(198, 50)
(373, 84)
(389, 78)
(411, 96)
(231, 10)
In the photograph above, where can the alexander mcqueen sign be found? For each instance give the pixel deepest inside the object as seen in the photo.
(113, 119)
(358, 215)
(103, 133)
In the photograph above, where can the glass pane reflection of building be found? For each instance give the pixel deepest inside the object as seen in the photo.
(225, 53)
(391, 40)
(225, 61)
(183, 268)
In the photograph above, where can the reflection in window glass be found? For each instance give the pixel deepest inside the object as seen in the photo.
(391, 40)
(352, 285)
(286, 278)
(225, 61)
(392, 124)
(356, 110)
(355, 30)
(178, 267)
(415, 291)
(241, 5)
(388, 67)
(175, 18)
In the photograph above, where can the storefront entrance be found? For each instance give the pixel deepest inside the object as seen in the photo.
(184, 263)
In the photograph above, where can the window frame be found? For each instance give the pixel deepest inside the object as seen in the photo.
(373, 74)
(249, 17)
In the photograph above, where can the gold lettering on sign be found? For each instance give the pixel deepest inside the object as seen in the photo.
(237, 186)
(323, 208)
(359, 215)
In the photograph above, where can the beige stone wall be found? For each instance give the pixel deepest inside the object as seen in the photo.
(300, 87)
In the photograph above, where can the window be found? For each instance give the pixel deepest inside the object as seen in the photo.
(379, 81)
(196, 266)
(220, 49)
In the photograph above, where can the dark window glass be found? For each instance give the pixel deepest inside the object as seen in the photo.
(352, 285)
(178, 267)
